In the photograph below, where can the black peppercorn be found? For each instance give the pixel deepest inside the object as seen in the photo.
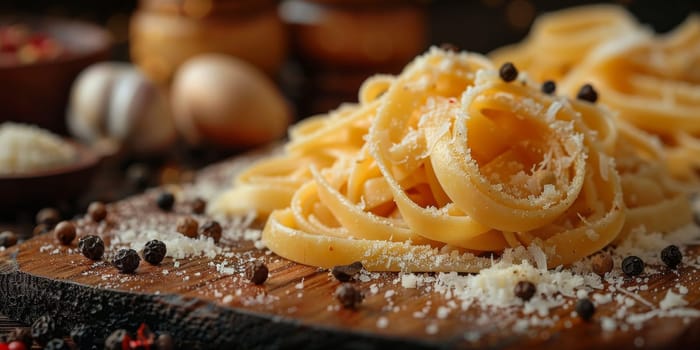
(139, 175)
(587, 93)
(154, 252)
(116, 339)
(211, 229)
(44, 329)
(48, 216)
(671, 256)
(257, 272)
(632, 266)
(165, 342)
(349, 296)
(525, 290)
(345, 273)
(508, 72)
(8, 239)
(126, 260)
(585, 309)
(56, 344)
(548, 87)
(199, 206)
(65, 232)
(97, 211)
(165, 201)
(92, 247)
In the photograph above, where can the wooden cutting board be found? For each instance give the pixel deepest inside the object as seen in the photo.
(295, 308)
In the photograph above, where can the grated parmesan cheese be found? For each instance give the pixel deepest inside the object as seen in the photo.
(178, 246)
(25, 149)
(382, 322)
(493, 287)
(672, 300)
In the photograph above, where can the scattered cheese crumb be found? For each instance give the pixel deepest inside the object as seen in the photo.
(672, 300)
(443, 312)
(382, 322)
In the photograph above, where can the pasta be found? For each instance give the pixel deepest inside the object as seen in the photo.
(653, 83)
(559, 41)
(446, 164)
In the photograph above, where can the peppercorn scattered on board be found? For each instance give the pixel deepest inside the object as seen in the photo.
(204, 299)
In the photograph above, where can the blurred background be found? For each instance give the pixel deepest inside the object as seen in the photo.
(158, 110)
(314, 77)
(497, 22)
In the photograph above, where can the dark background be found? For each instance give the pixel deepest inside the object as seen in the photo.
(475, 25)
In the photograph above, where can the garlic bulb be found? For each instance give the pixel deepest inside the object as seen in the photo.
(114, 106)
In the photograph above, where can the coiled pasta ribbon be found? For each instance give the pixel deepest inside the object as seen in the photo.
(446, 163)
(453, 167)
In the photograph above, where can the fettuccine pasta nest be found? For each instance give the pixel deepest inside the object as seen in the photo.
(445, 167)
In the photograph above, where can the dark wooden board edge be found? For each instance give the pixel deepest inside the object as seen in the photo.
(194, 323)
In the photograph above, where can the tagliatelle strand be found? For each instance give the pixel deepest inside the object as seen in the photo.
(559, 41)
(653, 84)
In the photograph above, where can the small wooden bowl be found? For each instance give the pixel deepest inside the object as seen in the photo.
(37, 93)
(47, 187)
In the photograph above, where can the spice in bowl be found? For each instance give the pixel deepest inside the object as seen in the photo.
(20, 45)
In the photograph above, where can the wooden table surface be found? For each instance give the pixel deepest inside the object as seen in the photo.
(205, 307)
